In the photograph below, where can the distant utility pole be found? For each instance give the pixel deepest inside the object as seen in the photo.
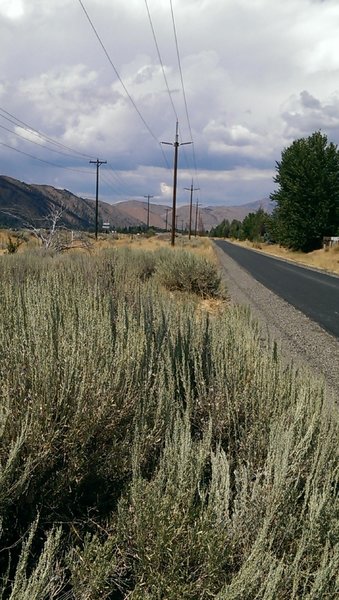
(98, 163)
(148, 199)
(196, 218)
(191, 189)
(167, 211)
(176, 145)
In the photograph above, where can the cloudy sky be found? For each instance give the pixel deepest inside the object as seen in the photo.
(107, 79)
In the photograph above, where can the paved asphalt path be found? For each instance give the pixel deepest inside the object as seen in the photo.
(314, 293)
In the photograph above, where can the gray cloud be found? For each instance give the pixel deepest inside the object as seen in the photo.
(306, 114)
(257, 75)
(309, 101)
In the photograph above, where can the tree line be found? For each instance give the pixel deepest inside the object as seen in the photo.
(306, 200)
(256, 226)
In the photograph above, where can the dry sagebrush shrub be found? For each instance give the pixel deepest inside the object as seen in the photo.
(187, 272)
(176, 456)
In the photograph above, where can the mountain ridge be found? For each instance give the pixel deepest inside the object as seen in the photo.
(23, 204)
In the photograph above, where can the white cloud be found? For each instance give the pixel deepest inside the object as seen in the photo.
(257, 74)
(12, 9)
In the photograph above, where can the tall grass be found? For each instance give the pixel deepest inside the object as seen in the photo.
(150, 452)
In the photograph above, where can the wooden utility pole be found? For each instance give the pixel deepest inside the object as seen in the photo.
(196, 218)
(176, 145)
(98, 163)
(148, 199)
(167, 211)
(191, 189)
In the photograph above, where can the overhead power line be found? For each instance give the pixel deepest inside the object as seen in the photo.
(22, 137)
(41, 135)
(180, 70)
(183, 87)
(120, 80)
(30, 129)
(160, 60)
(164, 74)
(47, 162)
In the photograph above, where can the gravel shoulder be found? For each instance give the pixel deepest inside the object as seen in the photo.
(299, 339)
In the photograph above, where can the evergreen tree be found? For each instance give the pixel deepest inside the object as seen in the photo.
(236, 229)
(221, 230)
(254, 226)
(308, 194)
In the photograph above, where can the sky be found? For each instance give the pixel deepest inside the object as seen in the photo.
(82, 80)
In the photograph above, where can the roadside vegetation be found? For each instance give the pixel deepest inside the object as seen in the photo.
(307, 194)
(326, 259)
(152, 450)
(305, 202)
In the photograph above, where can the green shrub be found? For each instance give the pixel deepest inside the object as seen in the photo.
(187, 272)
(13, 245)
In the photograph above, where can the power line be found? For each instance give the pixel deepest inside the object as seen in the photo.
(42, 160)
(180, 69)
(160, 60)
(41, 145)
(31, 129)
(183, 86)
(26, 127)
(110, 183)
(118, 188)
(164, 74)
(121, 81)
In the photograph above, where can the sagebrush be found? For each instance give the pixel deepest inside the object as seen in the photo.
(148, 451)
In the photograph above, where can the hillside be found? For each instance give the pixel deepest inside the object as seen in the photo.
(22, 204)
(30, 204)
(210, 215)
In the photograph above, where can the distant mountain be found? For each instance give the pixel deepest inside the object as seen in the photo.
(209, 215)
(136, 209)
(214, 215)
(24, 204)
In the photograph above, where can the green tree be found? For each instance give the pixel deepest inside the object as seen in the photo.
(254, 225)
(236, 229)
(307, 197)
(221, 230)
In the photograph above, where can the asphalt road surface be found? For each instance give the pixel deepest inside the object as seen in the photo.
(314, 293)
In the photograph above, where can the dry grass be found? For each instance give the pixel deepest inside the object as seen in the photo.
(212, 306)
(201, 246)
(28, 240)
(328, 260)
